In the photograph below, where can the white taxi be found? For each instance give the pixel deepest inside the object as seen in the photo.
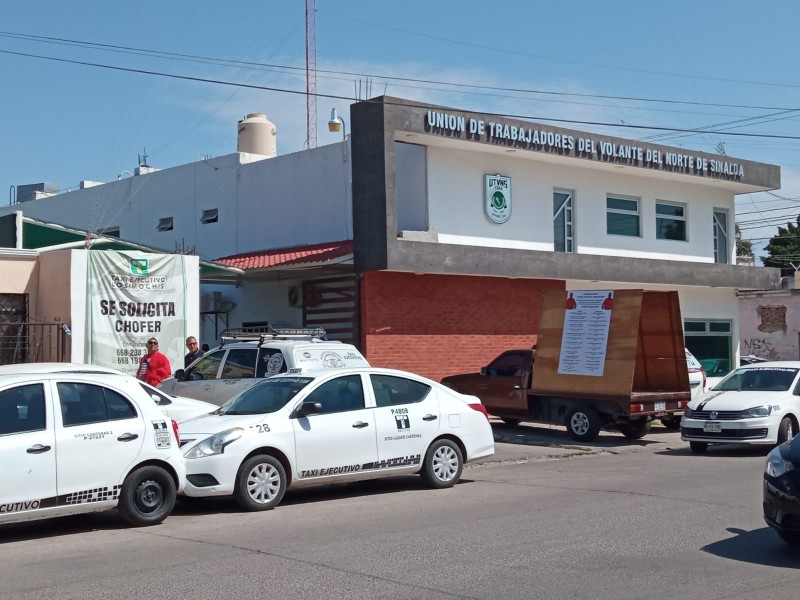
(754, 404)
(76, 442)
(321, 426)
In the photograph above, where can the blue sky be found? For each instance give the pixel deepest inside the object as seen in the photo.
(727, 66)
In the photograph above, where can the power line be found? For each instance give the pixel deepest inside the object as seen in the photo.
(349, 98)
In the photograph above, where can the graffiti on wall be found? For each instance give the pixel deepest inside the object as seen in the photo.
(761, 347)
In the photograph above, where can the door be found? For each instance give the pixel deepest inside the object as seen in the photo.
(101, 437)
(238, 373)
(341, 439)
(503, 387)
(27, 451)
(200, 378)
(407, 419)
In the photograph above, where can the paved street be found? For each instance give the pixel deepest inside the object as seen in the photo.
(543, 518)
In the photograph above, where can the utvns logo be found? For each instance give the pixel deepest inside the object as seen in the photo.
(497, 198)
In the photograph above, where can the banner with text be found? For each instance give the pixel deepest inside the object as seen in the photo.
(132, 297)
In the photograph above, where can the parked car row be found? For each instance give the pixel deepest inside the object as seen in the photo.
(77, 438)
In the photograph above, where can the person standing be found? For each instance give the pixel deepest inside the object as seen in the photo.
(153, 367)
(194, 351)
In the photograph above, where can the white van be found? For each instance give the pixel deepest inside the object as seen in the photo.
(246, 357)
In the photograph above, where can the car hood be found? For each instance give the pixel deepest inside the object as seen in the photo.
(211, 424)
(454, 380)
(738, 400)
(191, 403)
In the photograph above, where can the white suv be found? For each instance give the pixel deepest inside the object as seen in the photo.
(246, 357)
(80, 442)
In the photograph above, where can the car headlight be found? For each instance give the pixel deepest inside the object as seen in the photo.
(776, 465)
(215, 444)
(758, 411)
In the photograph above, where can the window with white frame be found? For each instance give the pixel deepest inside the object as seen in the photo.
(563, 221)
(622, 216)
(165, 224)
(711, 342)
(670, 221)
(721, 244)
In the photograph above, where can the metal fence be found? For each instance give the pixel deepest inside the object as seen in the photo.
(33, 342)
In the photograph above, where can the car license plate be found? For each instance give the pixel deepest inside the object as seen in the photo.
(660, 406)
(712, 427)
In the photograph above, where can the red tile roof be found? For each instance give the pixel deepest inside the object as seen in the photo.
(316, 253)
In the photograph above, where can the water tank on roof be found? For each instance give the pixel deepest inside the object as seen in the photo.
(257, 135)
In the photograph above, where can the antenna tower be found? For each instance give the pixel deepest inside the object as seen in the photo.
(311, 74)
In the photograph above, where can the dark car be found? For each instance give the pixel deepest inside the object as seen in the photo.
(782, 491)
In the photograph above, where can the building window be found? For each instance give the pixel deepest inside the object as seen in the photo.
(112, 231)
(622, 216)
(165, 224)
(210, 216)
(711, 343)
(721, 253)
(563, 221)
(670, 221)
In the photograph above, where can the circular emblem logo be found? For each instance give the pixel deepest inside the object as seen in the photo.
(498, 201)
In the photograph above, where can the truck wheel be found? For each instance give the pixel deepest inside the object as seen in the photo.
(672, 423)
(511, 422)
(635, 429)
(260, 483)
(583, 424)
(147, 496)
(698, 447)
(443, 464)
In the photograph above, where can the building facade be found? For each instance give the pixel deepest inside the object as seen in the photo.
(428, 237)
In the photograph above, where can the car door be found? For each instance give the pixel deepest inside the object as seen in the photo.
(27, 451)
(501, 386)
(101, 438)
(407, 418)
(238, 373)
(341, 439)
(200, 378)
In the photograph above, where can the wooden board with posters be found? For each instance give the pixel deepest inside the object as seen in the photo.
(643, 351)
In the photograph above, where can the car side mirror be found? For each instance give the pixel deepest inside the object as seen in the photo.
(180, 374)
(308, 408)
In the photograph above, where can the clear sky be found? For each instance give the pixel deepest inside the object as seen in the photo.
(728, 67)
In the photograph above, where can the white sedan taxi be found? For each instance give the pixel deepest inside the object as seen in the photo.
(321, 426)
(754, 404)
(80, 442)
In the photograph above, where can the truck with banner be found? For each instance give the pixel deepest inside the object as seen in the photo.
(603, 359)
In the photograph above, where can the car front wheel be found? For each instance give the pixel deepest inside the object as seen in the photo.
(785, 430)
(698, 447)
(260, 483)
(147, 496)
(443, 464)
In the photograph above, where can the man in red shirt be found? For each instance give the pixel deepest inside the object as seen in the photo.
(154, 366)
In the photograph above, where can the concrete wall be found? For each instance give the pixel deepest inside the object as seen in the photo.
(770, 325)
(261, 204)
(455, 186)
(19, 275)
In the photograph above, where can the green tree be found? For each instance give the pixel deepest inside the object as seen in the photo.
(784, 248)
(743, 247)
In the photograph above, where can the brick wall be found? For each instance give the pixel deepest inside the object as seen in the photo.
(438, 325)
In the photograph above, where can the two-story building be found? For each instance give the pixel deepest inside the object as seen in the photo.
(428, 236)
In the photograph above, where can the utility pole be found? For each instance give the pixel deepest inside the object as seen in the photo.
(311, 74)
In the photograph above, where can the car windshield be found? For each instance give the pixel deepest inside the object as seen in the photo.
(771, 379)
(266, 397)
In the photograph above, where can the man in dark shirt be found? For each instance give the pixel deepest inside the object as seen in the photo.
(194, 351)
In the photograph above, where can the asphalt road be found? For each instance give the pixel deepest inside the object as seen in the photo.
(543, 518)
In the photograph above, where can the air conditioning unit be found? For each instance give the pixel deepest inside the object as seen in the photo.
(206, 302)
(295, 295)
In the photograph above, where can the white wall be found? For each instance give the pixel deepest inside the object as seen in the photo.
(262, 204)
(455, 200)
